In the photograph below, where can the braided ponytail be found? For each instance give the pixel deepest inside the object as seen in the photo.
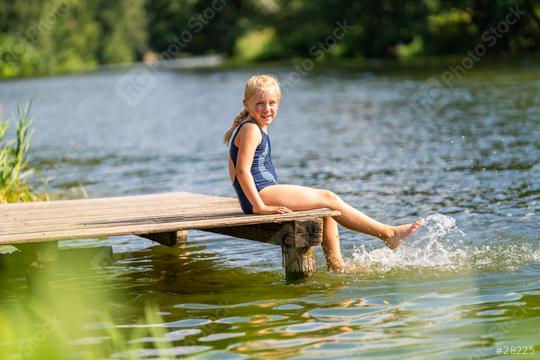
(237, 121)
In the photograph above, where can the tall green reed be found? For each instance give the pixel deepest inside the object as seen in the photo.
(14, 169)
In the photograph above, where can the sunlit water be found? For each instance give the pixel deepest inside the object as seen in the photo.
(465, 284)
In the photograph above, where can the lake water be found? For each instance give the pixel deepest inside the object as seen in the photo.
(467, 285)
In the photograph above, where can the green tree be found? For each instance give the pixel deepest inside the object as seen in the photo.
(46, 36)
(124, 27)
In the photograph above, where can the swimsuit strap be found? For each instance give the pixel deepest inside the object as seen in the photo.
(237, 130)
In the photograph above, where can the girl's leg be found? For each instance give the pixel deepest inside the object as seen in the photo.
(330, 244)
(304, 198)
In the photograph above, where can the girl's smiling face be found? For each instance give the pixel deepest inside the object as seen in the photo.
(262, 106)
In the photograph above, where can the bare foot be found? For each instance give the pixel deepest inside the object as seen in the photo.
(355, 268)
(337, 266)
(400, 233)
(348, 267)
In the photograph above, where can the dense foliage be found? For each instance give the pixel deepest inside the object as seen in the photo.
(45, 36)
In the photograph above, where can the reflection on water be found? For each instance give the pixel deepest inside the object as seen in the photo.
(464, 284)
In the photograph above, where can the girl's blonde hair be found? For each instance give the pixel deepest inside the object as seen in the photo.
(254, 84)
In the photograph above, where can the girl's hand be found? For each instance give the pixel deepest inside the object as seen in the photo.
(267, 210)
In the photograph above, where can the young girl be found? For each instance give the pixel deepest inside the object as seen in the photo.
(254, 178)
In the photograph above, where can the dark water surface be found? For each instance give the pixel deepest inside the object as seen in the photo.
(465, 285)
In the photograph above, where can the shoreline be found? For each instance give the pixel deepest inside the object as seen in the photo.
(425, 63)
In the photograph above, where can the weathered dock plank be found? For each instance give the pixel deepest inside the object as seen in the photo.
(160, 217)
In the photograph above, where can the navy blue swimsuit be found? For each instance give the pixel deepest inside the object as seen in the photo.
(262, 169)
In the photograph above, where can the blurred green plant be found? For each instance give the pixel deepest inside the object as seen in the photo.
(414, 48)
(18, 57)
(258, 45)
(30, 332)
(14, 168)
(128, 345)
(35, 329)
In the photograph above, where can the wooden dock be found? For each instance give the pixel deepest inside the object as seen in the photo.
(35, 228)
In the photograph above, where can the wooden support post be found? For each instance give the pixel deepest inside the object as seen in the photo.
(181, 236)
(298, 248)
(93, 257)
(34, 257)
(296, 238)
(169, 239)
(38, 254)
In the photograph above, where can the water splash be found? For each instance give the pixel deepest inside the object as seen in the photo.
(440, 245)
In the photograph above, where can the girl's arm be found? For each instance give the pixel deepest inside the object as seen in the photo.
(249, 138)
